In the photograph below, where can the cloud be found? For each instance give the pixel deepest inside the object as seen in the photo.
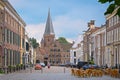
(68, 27)
(69, 17)
(36, 31)
(64, 26)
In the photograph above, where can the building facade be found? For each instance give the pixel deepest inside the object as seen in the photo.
(87, 40)
(113, 39)
(56, 53)
(76, 52)
(12, 35)
(98, 45)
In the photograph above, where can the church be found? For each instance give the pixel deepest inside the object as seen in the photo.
(52, 50)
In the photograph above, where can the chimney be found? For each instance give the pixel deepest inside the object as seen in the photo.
(91, 24)
(79, 45)
(73, 42)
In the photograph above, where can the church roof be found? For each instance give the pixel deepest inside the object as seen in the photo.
(49, 26)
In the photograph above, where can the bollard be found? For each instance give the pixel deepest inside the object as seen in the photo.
(41, 70)
(6, 70)
(64, 70)
(30, 69)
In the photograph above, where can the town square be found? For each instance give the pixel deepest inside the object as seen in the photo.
(60, 40)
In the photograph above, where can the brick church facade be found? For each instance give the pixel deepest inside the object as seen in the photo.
(53, 51)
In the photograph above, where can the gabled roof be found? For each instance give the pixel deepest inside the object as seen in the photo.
(49, 26)
(77, 41)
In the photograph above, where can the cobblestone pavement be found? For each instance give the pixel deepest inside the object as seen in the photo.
(54, 73)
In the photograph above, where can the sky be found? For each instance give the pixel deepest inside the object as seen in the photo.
(69, 17)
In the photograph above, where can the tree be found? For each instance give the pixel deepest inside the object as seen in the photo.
(34, 42)
(114, 4)
(62, 40)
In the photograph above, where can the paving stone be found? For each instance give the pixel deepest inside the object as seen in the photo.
(54, 73)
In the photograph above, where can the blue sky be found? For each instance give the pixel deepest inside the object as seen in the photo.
(69, 17)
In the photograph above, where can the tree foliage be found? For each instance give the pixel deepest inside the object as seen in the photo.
(113, 5)
(34, 42)
(62, 40)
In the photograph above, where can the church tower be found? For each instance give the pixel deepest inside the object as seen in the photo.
(49, 35)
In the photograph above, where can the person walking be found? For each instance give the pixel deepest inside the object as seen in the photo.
(48, 65)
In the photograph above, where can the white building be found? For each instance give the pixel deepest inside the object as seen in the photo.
(26, 55)
(76, 52)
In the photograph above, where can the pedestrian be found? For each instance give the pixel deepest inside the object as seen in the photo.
(48, 65)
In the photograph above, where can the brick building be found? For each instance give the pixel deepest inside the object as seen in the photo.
(12, 35)
(55, 52)
(87, 40)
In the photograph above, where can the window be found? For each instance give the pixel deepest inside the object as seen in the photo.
(55, 45)
(111, 36)
(51, 49)
(8, 36)
(115, 34)
(112, 21)
(75, 61)
(5, 17)
(23, 41)
(7, 56)
(119, 33)
(27, 46)
(114, 18)
(109, 21)
(74, 54)
(10, 57)
(107, 37)
(58, 50)
(11, 37)
(68, 50)
(117, 19)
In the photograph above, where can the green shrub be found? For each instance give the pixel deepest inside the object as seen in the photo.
(91, 62)
(2, 71)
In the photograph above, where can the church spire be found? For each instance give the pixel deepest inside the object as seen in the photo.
(49, 26)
